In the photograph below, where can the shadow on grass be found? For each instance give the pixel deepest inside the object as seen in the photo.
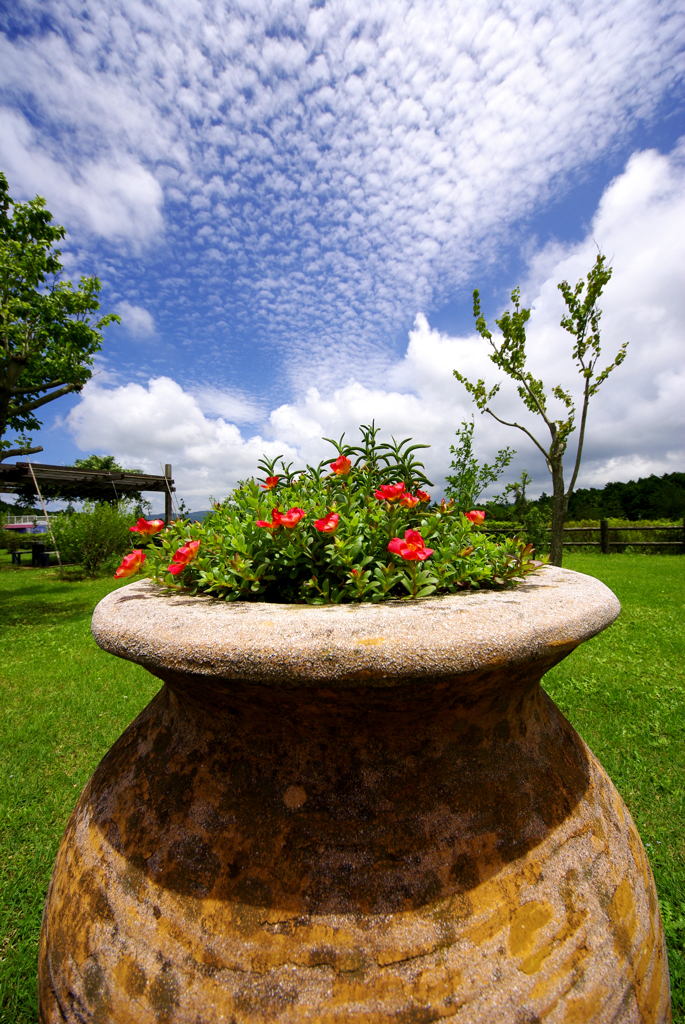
(26, 600)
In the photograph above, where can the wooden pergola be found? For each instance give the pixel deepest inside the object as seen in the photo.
(97, 484)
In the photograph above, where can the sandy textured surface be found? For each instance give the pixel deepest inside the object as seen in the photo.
(355, 814)
(377, 644)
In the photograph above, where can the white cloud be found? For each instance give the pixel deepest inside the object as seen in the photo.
(229, 405)
(150, 426)
(636, 423)
(333, 166)
(115, 198)
(137, 321)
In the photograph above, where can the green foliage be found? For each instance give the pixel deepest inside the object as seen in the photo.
(241, 559)
(47, 332)
(12, 540)
(651, 497)
(470, 478)
(509, 355)
(536, 529)
(517, 490)
(629, 539)
(94, 535)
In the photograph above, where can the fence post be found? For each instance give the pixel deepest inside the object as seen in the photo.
(604, 535)
(168, 512)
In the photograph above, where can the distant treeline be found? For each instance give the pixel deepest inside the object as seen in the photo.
(651, 497)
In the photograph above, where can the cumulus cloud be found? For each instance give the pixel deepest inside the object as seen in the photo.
(115, 198)
(326, 169)
(636, 424)
(151, 426)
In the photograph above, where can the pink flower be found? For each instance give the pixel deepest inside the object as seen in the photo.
(271, 482)
(408, 501)
(476, 517)
(148, 527)
(390, 492)
(341, 466)
(288, 519)
(423, 496)
(184, 556)
(329, 523)
(130, 564)
(412, 548)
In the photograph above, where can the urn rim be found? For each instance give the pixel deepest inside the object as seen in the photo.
(360, 645)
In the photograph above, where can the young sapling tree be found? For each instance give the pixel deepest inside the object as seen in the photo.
(470, 477)
(582, 322)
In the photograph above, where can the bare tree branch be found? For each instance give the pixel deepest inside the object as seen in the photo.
(519, 427)
(9, 452)
(38, 387)
(29, 406)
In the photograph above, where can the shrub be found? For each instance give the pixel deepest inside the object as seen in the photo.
(92, 536)
(536, 529)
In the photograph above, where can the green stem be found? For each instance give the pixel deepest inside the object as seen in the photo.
(412, 570)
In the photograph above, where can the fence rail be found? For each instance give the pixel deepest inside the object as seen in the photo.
(29, 520)
(606, 542)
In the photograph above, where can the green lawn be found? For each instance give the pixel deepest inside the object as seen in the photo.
(65, 702)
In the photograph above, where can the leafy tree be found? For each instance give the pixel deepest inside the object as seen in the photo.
(48, 334)
(470, 478)
(582, 322)
(518, 491)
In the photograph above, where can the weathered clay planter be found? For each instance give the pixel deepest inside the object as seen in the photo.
(354, 813)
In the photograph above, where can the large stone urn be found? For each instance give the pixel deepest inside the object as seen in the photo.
(355, 813)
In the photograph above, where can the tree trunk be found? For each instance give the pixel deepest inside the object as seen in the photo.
(12, 374)
(559, 508)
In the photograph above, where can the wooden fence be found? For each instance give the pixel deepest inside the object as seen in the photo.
(608, 541)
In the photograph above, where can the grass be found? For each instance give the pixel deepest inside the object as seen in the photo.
(624, 691)
(65, 702)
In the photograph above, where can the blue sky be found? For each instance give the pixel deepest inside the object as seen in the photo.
(289, 204)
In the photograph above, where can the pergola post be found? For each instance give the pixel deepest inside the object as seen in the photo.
(167, 495)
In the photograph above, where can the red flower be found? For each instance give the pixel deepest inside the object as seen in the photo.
(184, 556)
(291, 517)
(412, 548)
(271, 482)
(423, 496)
(130, 564)
(149, 527)
(341, 466)
(275, 520)
(390, 492)
(329, 523)
(408, 501)
(476, 517)
(288, 519)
